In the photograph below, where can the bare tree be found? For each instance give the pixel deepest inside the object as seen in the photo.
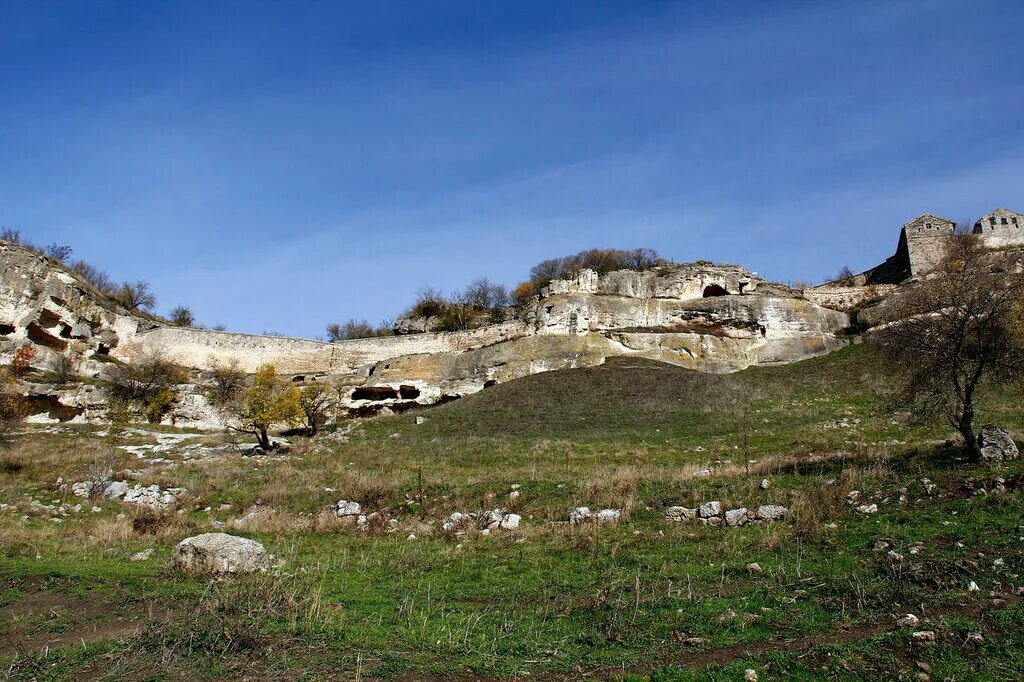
(959, 332)
(144, 377)
(136, 296)
(315, 401)
(965, 225)
(228, 380)
(94, 276)
(64, 367)
(483, 293)
(59, 252)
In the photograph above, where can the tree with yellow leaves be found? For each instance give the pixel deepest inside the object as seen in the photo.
(266, 403)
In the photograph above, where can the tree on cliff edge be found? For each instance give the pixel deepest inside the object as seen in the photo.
(960, 331)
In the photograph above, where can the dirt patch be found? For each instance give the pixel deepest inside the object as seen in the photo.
(48, 619)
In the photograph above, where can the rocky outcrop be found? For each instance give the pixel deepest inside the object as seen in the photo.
(701, 316)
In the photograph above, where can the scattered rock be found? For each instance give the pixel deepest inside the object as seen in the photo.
(770, 512)
(143, 555)
(765, 484)
(609, 516)
(923, 636)
(908, 621)
(996, 444)
(153, 496)
(867, 509)
(736, 517)
(580, 514)
(680, 513)
(973, 587)
(754, 567)
(347, 508)
(749, 675)
(419, 420)
(710, 509)
(220, 553)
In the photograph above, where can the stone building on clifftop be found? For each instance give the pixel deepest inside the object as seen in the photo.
(922, 245)
(1001, 227)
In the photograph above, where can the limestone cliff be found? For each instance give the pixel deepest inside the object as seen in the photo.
(702, 316)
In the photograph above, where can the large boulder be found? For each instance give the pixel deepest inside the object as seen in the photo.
(220, 553)
(996, 444)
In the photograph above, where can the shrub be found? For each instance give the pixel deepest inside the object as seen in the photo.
(357, 329)
(602, 261)
(182, 317)
(159, 405)
(429, 303)
(22, 361)
(315, 401)
(95, 277)
(13, 408)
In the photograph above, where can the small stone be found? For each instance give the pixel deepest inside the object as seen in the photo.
(923, 636)
(997, 444)
(143, 555)
(580, 514)
(710, 509)
(727, 616)
(908, 621)
(975, 638)
(754, 567)
(680, 513)
(765, 484)
(420, 420)
(347, 508)
(749, 675)
(867, 509)
(770, 512)
(736, 517)
(973, 587)
(608, 516)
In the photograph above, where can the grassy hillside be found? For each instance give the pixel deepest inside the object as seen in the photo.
(644, 599)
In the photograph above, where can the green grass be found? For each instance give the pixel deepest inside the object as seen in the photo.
(549, 600)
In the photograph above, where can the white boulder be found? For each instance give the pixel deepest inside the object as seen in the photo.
(220, 553)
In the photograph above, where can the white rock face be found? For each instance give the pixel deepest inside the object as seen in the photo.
(220, 553)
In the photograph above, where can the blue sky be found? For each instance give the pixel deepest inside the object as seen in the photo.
(278, 166)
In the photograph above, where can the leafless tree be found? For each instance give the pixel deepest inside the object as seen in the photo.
(228, 380)
(485, 294)
(182, 317)
(59, 252)
(959, 332)
(144, 377)
(136, 296)
(64, 367)
(94, 276)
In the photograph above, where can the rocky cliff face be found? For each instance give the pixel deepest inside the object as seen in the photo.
(705, 317)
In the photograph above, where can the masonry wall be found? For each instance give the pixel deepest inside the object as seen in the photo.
(196, 348)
